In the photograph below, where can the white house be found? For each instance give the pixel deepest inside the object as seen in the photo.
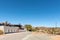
(9, 28)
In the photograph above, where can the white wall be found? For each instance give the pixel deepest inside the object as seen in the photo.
(8, 29)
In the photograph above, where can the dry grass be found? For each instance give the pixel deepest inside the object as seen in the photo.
(55, 31)
(1, 32)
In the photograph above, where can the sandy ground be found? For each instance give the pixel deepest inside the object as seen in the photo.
(53, 37)
(38, 33)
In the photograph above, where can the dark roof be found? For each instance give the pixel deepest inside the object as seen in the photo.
(15, 25)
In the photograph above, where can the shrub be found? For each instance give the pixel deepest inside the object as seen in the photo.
(1, 32)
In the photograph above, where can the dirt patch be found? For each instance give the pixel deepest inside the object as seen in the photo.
(55, 37)
(38, 33)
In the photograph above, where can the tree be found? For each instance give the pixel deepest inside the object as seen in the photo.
(28, 27)
(20, 26)
(37, 28)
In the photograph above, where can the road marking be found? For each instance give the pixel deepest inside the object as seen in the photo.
(27, 37)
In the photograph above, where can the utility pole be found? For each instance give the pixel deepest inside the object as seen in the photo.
(56, 24)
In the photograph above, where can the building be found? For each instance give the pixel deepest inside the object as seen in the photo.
(10, 28)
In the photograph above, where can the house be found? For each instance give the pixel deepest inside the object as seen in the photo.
(10, 28)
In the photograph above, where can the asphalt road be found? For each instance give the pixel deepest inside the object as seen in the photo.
(24, 36)
(15, 36)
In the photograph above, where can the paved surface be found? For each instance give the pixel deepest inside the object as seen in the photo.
(24, 36)
(15, 36)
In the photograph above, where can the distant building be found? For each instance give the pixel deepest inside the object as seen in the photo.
(10, 28)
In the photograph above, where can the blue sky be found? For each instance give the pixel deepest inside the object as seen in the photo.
(34, 12)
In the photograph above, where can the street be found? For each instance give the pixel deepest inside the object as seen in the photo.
(24, 36)
(14, 36)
